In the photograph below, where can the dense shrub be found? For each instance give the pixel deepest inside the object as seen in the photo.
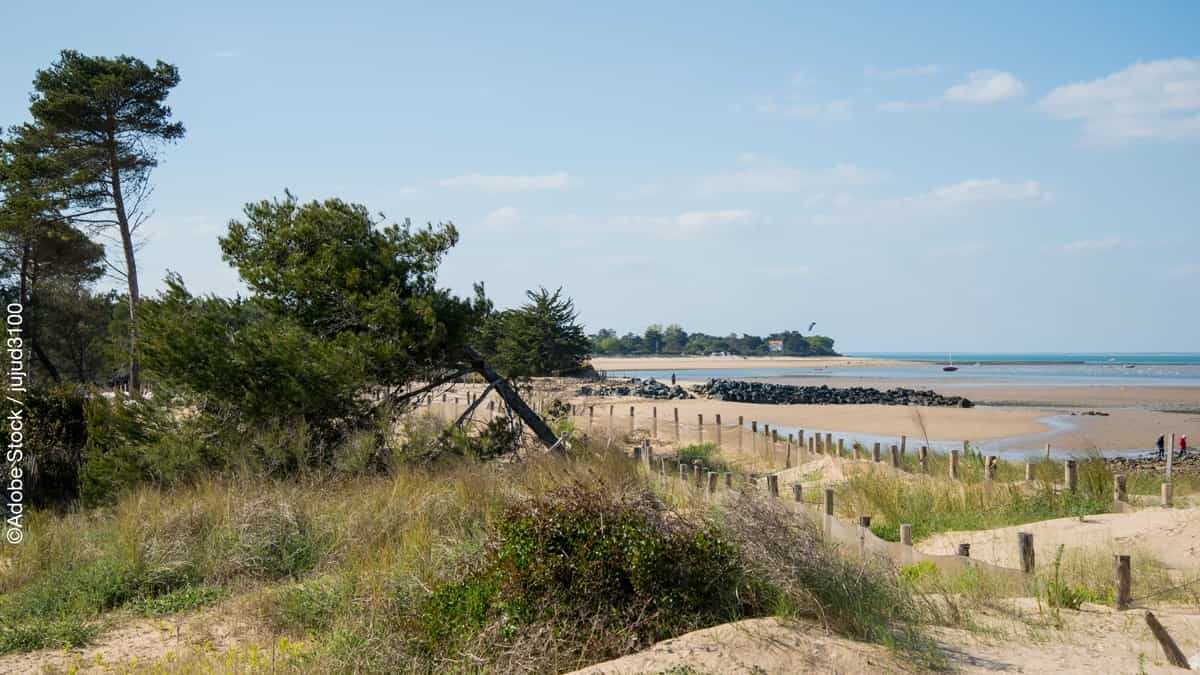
(56, 433)
(606, 572)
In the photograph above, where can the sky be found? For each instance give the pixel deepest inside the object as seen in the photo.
(910, 176)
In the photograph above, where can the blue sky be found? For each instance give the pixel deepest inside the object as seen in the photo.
(948, 176)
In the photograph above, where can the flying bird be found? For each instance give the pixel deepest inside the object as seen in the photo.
(810, 326)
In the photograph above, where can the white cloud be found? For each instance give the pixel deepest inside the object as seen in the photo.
(952, 199)
(686, 224)
(502, 219)
(981, 86)
(1158, 100)
(1094, 245)
(928, 70)
(985, 86)
(977, 190)
(495, 183)
(764, 175)
(837, 110)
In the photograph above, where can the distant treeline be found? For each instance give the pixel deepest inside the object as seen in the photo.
(675, 340)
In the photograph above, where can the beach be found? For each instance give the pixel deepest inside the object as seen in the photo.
(1011, 416)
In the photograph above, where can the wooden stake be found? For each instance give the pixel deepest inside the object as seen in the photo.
(654, 422)
(1123, 582)
(1028, 472)
(700, 426)
(829, 501)
(712, 482)
(1119, 494)
(718, 432)
(895, 457)
(1072, 477)
(1025, 548)
(875, 452)
(989, 468)
(953, 465)
(1174, 654)
(773, 484)
(964, 550)
(923, 457)
(1167, 494)
(906, 534)
(796, 490)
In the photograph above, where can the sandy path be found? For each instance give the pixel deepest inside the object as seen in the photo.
(1171, 535)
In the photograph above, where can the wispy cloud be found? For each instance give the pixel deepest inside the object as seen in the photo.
(928, 70)
(1158, 100)
(502, 219)
(510, 183)
(980, 87)
(1094, 245)
(985, 86)
(763, 175)
(946, 200)
(686, 224)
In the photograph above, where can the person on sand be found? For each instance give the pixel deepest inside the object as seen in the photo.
(1161, 443)
(1182, 446)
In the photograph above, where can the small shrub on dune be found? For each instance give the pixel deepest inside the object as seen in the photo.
(586, 574)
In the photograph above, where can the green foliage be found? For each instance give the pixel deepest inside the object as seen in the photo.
(251, 364)
(542, 337)
(705, 453)
(56, 434)
(618, 564)
(674, 340)
(182, 599)
(329, 267)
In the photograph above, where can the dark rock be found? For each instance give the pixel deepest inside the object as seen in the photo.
(764, 392)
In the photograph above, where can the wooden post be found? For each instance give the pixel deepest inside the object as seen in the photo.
(700, 426)
(1028, 472)
(712, 482)
(718, 432)
(875, 452)
(637, 453)
(1172, 651)
(923, 457)
(630, 418)
(829, 501)
(1119, 494)
(698, 473)
(903, 445)
(591, 416)
(1170, 456)
(1121, 572)
(1167, 494)
(841, 447)
(676, 425)
(796, 492)
(964, 550)
(856, 449)
(773, 484)
(812, 446)
(1025, 548)
(953, 465)
(906, 534)
(864, 522)
(828, 443)
(1072, 477)
(741, 429)
(728, 479)
(1047, 451)
(989, 468)
(799, 437)
(683, 473)
(654, 422)
(787, 461)
(895, 457)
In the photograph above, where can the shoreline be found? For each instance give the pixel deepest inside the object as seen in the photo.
(633, 363)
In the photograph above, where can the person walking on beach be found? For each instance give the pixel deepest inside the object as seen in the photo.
(1161, 443)
(1182, 446)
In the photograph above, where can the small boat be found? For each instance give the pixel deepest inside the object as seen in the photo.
(1130, 365)
(950, 367)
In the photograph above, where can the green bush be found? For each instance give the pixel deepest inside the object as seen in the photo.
(56, 433)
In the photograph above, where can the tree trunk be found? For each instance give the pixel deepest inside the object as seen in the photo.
(535, 422)
(29, 306)
(135, 366)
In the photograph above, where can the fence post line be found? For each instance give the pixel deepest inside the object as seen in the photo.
(1119, 494)
(1121, 572)
(1025, 548)
(954, 465)
(1072, 477)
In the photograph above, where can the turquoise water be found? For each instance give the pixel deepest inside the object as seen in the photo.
(981, 369)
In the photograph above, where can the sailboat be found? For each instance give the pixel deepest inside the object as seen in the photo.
(950, 367)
